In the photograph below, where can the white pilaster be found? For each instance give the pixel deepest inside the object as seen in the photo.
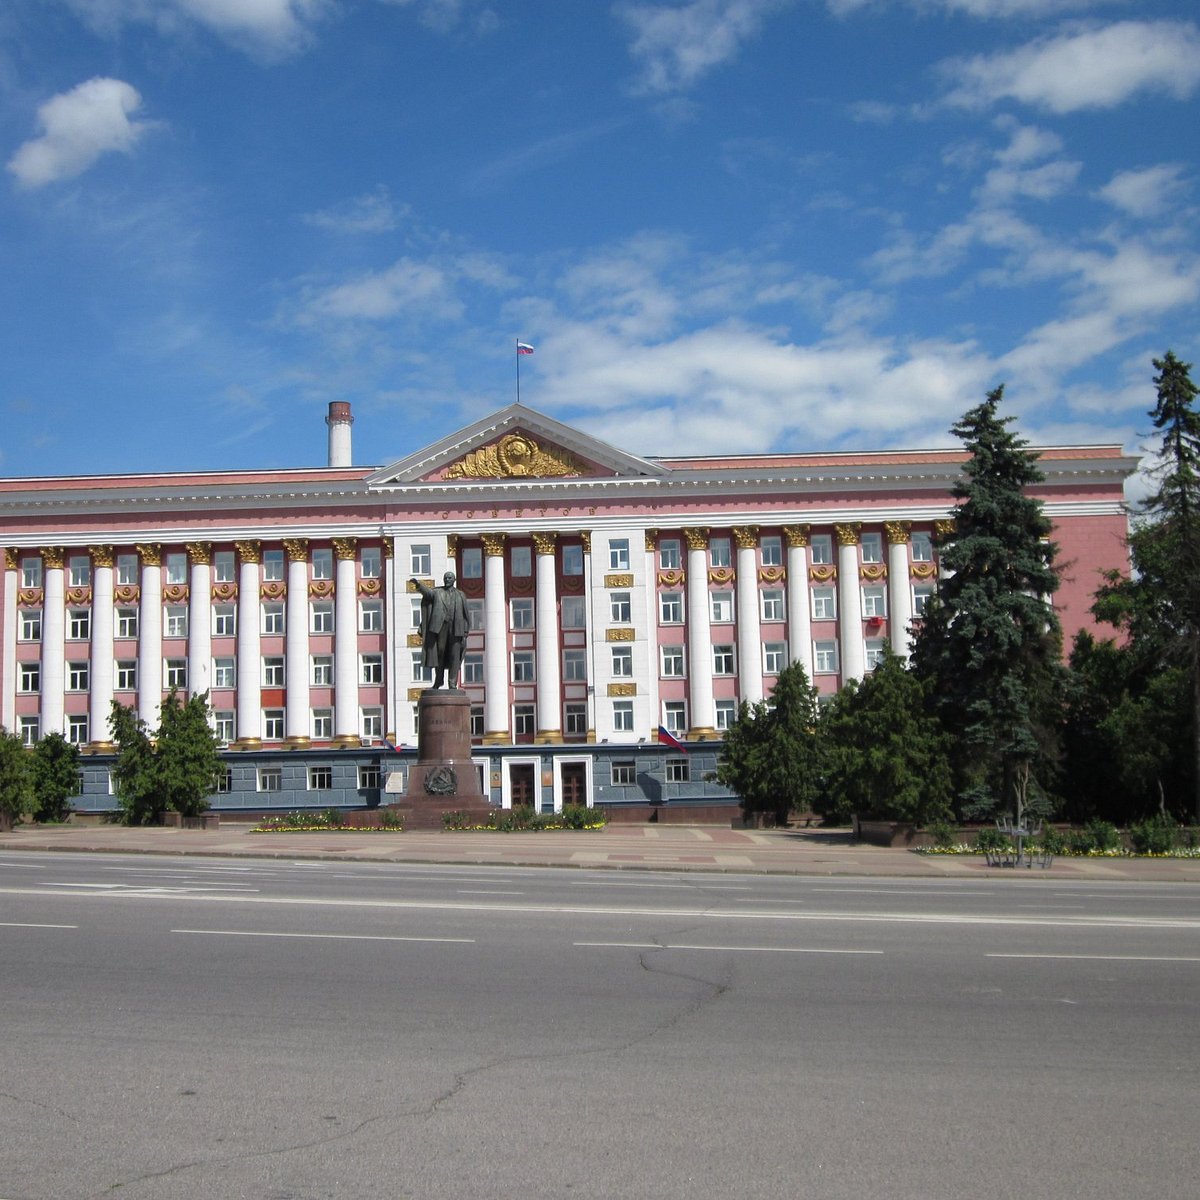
(345, 645)
(749, 626)
(295, 718)
(702, 709)
(900, 612)
(396, 724)
(850, 632)
(150, 664)
(53, 641)
(799, 613)
(100, 701)
(549, 655)
(249, 647)
(495, 642)
(8, 650)
(200, 618)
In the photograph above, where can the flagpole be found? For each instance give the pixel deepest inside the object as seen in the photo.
(518, 357)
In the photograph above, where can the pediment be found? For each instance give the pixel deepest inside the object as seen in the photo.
(515, 443)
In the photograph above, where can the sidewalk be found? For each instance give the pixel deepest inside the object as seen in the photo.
(645, 847)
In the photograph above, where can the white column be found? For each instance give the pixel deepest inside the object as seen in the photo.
(100, 701)
(495, 642)
(8, 650)
(53, 641)
(799, 613)
(249, 647)
(702, 715)
(900, 612)
(295, 719)
(392, 722)
(649, 622)
(853, 651)
(749, 626)
(150, 665)
(200, 618)
(549, 674)
(345, 645)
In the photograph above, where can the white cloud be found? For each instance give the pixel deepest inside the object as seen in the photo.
(677, 44)
(985, 9)
(1084, 68)
(78, 127)
(405, 286)
(443, 16)
(1148, 192)
(373, 212)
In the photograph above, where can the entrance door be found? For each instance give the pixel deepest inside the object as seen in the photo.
(521, 780)
(574, 783)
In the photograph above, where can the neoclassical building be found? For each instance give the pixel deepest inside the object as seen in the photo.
(609, 595)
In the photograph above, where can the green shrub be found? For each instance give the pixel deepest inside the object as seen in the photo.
(1155, 836)
(1052, 841)
(1079, 841)
(579, 816)
(992, 841)
(945, 835)
(1104, 835)
(390, 819)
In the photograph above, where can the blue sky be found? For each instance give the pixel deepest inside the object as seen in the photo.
(726, 225)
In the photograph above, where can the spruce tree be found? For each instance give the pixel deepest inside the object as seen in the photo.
(989, 646)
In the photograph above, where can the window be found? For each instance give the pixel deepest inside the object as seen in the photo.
(574, 666)
(175, 620)
(722, 660)
(125, 679)
(573, 612)
(475, 617)
(572, 559)
(79, 624)
(618, 554)
(622, 662)
(521, 561)
(922, 594)
(522, 667)
(419, 670)
(31, 625)
(31, 572)
(77, 729)
(623, 774)
(322, 563)
(675, 716)
(272, 672)
(270, 779)
(670, 555)
(370, 562)
(371, 668)
(414, 606)
(772, 604)
(670, 608)
(127, 569)
(623, 716)
(820, 549)
(523, 720)
(30, 678)
(224, 673)
(825, 658)
(175, 674)
(774, 657)
(824, 603)
(874, 653)
(576, 720)
(79, 570)
(224, 620)
(871, 547)
(320, 779)
(127, 622)
(223, 725)
(176, 564)
(31, 731)
(322, 670)
(224, 567)
(369, 777)
(677, 770)
(671, 662)
(477, 721)
(719, 552)
(874, 601)
(224, 784)
(722, 607)
(370, 616)
(472, 668)
(921, 547)
(273, 724)
(472, 562)
(521, 613)
(322, 724)
(321, 617)
(420, 560)
(726, 713)
(772, 551)
(272, 618)
(77, 677)
(272, 566)
(620, 609)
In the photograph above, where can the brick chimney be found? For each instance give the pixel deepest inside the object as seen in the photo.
(339, 422)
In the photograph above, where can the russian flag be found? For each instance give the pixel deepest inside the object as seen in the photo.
(524, 348)
(393, 749)
(667, 738)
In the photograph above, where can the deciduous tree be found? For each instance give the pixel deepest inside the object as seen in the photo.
(16, 779)
(56, 777)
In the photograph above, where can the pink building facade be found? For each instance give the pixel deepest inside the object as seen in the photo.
(609, 595)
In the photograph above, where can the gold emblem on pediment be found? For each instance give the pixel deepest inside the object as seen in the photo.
(514, 456)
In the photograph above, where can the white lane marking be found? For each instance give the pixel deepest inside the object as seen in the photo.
(486, 892)
(333, 937)
(893, 891)
(692, 946)
(33, 925)
(869, 918)
(1103, 957)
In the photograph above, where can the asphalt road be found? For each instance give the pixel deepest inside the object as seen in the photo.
(290, 1031)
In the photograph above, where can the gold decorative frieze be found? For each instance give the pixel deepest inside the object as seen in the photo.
(320, 589)
(345, 548)
(275, 589)
(127, 593)
(872, 571)
(622, 689)
(388, 549)
(922, 570)
(369, 587)
(797, 535)
(10, 559)
(30, 597)
(200, 552)
(746, 536)
(102, 556)
(297, 549)
(78, 595)
(673, 578)
(544, 543)
(452, 540)
(415, 641)
(848, 534)
(651, 540)
(414, 693)
(514, 456)
(248, 552)
(586, 538)
(52, 557)
(618, 580)
(772, 574)
(897, 532)
(721, 575)
(697, 539)
(944, 529)
(224, 591)
(493, 544)
(823, 572)
(619, 633)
